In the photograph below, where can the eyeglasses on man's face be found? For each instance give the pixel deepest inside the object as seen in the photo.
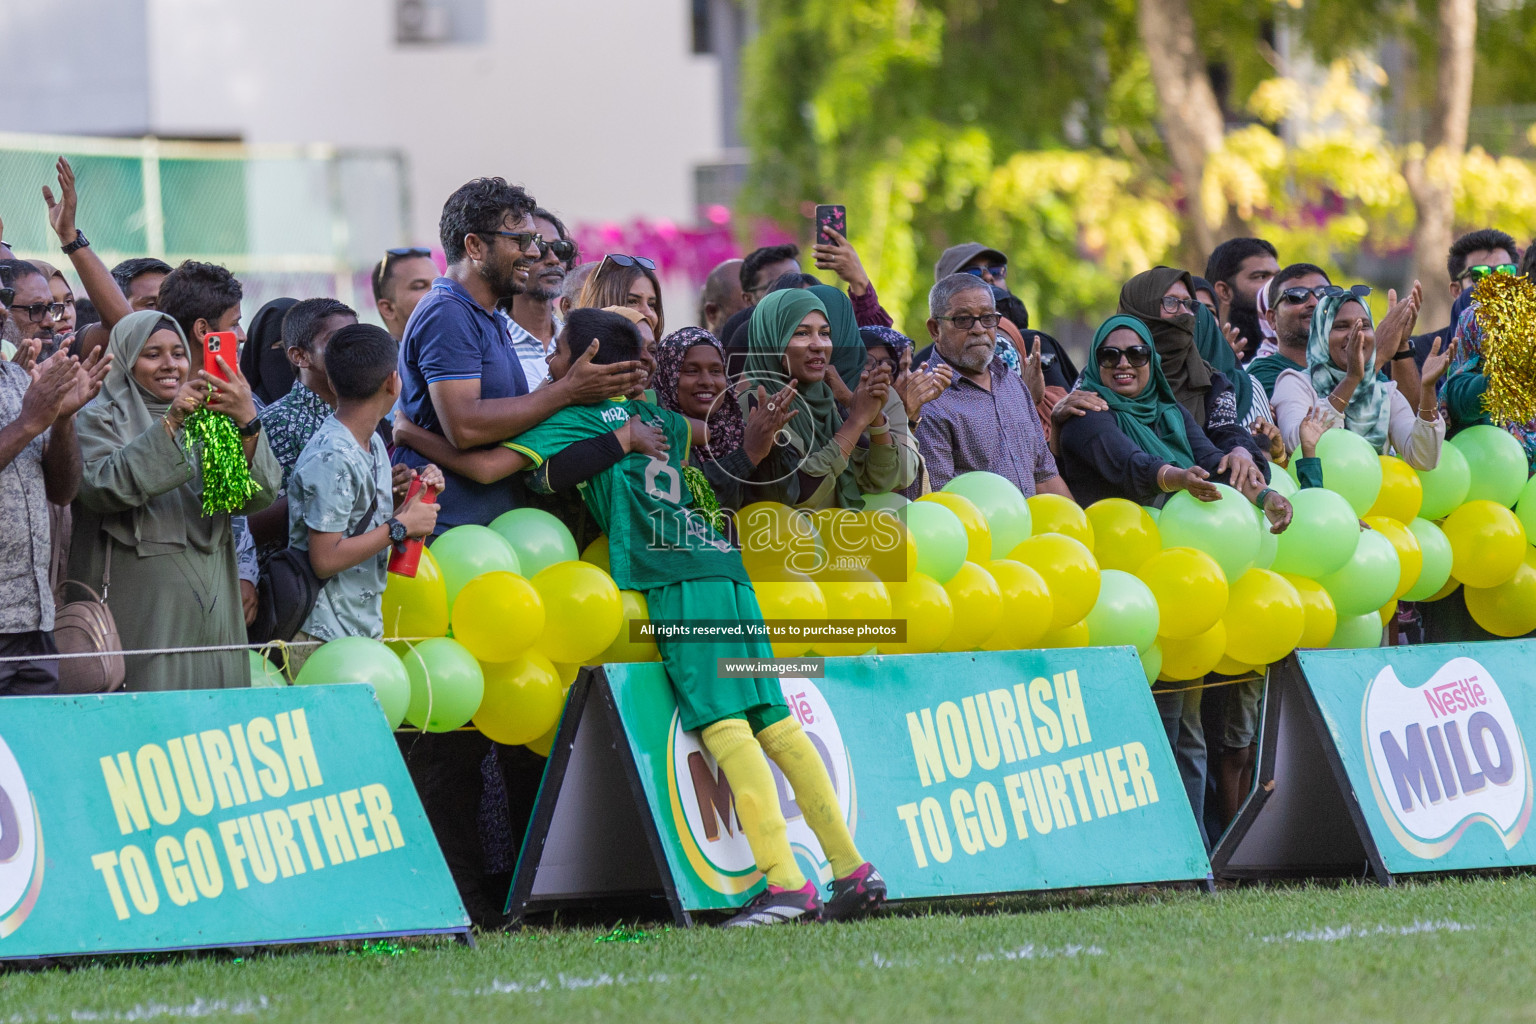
(1482, 270)
(564, 250)
(524, 240)
(38, 310)
(965, 321)
(997, 270)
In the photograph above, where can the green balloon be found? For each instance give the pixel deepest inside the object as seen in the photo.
(1437, 560)
(357, 659)
(1525, 509)
(1151, 661)
(1445, 486)
(1155, 512)
(1224, 529)
(1322, 537)
(538, 538)
(1497, 462)
(1002, 505)
(1368, 580)
(447, 685)
(465, 552)
(264, 673)
(885, 499)
(1358, 631)
(1125, 615)
(941, 539)
(1269, 543)
(1281, 480)
(1350, 467)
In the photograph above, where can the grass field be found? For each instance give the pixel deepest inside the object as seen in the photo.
(1450, 950)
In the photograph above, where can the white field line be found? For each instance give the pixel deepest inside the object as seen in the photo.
(1028, 951)
(572, 983)
(154, 1011)
(1359, 931)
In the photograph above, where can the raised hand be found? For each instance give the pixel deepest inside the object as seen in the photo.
(1398, 323)
(923, 387)
(840, 393)
(1313, 426)
(1033, 373)
(587, 383)
(61, 213)
(766, 418)
(842, 258)
(1270, 435)
(1235, 340)
(231, 397)
(1358, 348)
(868, 401)
(88, 378)
(52, 381)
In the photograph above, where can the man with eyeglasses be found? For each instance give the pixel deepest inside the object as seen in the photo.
(531, 316)
(986, 420)
(400, 280)
(1473, 257)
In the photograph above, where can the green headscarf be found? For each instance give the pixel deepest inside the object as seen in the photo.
(124, 410)
(772, 325)
(848, 349)
(1153, 419)
(1369, 412)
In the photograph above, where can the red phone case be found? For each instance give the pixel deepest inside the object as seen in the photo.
(222, 343)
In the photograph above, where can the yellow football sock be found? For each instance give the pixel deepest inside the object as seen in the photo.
(787, 745)
(731, 744)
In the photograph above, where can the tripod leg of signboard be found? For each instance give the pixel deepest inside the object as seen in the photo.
(590, 843)
(1298, 820)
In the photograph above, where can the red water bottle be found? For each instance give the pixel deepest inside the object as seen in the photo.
(406, 556)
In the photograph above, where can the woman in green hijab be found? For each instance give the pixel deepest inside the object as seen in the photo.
(823, 458)
(1146, 446)
(140, 537)
(1340, 346)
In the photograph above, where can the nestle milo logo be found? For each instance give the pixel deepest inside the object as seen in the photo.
(704, 808)
(1444, 756)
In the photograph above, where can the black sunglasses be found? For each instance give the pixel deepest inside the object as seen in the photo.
(1299, 294)
(38, 310)
(998, 270)
(966, 321)
(564, 251)
(1137, 356)
(390, 255)
(7, 296)
(522, 239)
(629, 261)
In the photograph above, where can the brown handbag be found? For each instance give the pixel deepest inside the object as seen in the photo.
(87, 627)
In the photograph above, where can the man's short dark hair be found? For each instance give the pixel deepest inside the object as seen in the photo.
(302, 321)
(15, 270)
(126, 271)
(359, 359)
(1227, 258)
(757, 259)
(617, 339)
(1276, 284)
(478, 208)
(542, 214)
(198, 291)
(1528, 261)
(1484, 239)
(793, 279)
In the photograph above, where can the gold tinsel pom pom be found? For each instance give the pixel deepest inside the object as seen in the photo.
(1506, 311)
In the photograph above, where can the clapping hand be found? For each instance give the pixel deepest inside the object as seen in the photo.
(766, 418)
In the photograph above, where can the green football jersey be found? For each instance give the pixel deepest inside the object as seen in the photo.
(655, 536)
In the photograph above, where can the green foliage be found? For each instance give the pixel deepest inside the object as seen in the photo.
(1031, 126)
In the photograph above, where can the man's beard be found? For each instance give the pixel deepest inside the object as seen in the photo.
(1246, 320)
(504, 285)
(974, 359)
(537, 289)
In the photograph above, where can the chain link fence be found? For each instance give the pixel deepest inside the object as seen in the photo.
(287, 220)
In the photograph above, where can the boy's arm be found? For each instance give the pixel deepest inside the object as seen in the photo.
(332, 553)
(482, 465)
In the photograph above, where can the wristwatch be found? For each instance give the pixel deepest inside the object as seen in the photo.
(396, 530)
(80, 242)
(252, 428)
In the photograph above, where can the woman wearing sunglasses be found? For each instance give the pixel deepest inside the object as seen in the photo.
(1145, 446)
(631, 281)
(1341, 380)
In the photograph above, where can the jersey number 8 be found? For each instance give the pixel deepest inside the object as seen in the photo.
(663, 482)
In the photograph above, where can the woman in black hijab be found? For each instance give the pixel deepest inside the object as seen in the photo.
(264, 360)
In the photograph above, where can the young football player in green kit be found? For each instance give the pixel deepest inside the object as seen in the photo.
(660, 544)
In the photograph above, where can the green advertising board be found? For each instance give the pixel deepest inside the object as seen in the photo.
(210, 818)
(1402, 759)
(959, 774)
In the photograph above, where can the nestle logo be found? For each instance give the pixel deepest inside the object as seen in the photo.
(1450, 698)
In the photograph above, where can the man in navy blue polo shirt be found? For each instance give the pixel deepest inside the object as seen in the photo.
(461, 378)
(460, 374)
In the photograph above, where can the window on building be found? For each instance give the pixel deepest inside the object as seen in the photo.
(428, 22)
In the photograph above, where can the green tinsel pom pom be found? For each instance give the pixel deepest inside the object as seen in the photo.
(704, 497)
(213, 439)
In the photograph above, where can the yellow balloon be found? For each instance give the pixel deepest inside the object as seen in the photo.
(1052, 513)
(597, 554)
(1069, 570)
(864, 540)
(925, 606)
(1388, 611)
(1409, 555)
(1487, 543)
(1194, 657)
(796, 597)
(978, 535)
(978, 605)
(522, 699)
(1445, 591)
(1264, 619)
(1075, 635)
(775, 537)
(567, 673)
(1190, 589)
(544, 744)
(416, 606)
(1401, 494)
(1322, 618)
(623, 649)
(1027, 606)
(582, 611)
(497, 616)
(1508, 609)
(1124, 534)
(859, 600)
(1229, 667)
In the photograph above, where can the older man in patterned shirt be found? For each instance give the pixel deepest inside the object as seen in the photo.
(987, 418)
